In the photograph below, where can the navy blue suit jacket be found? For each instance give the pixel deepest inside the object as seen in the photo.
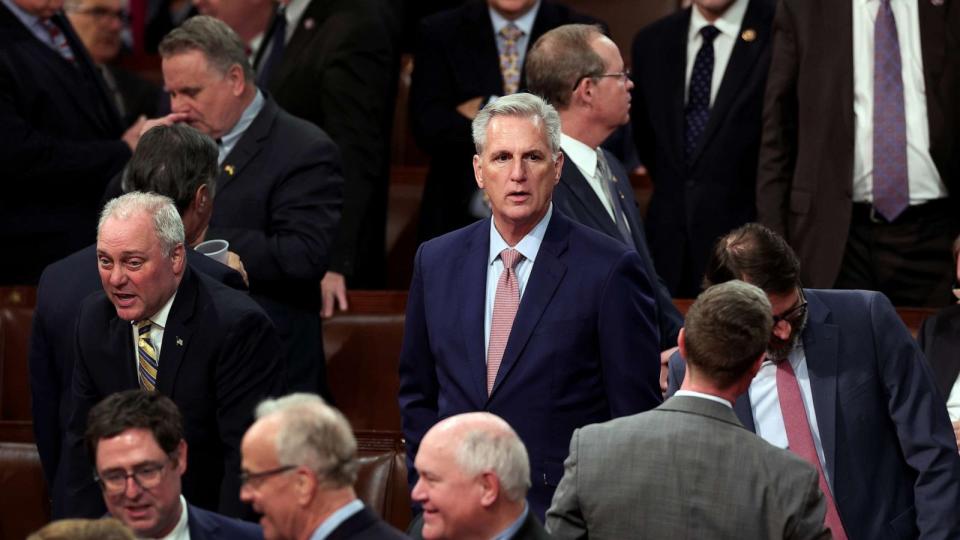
(205, 525)
(63, 286)
(583, 348)
(577, 200)
(365, 525)
(887, 441)
(939, 338)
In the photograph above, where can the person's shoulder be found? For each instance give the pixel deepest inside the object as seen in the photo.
(650, 36)
(296, 133)
(456, 240)
(446, 22)
(586, 238)
(210, 525)
(225, 302)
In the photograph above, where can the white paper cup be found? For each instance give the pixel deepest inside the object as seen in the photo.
(215, 249)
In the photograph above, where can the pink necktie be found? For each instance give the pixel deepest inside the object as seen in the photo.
(505, 305)
(800, 440)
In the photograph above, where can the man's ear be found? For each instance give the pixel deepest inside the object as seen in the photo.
(305, 485)
(182, 457)
(178, 258)
(477, 171)
(490, 488)
(682, 344)
(237, 80)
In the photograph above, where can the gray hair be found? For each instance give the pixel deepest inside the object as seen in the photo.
(501, 452)
(521, 105)
(218, 42)
(166, 221)
(560, 59)
(726, 329)
(315, 435)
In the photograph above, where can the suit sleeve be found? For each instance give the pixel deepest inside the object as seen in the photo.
(778, 144)
(629, 339)
(303, 216)
(418, 376)
(923, 427)
(806, 520)
(249, 370)
(564, 520)
(675, 372)
(45, 376)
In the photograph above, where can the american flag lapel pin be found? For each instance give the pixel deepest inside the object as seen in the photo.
(229, 169)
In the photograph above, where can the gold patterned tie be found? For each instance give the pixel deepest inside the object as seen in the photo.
(509, 58)
(148, 360)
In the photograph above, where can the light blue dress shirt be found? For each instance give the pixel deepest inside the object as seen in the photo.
(336, 519)
(32, 23)
(228, 141)
(511, 531)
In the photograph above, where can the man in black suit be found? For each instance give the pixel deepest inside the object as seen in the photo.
(164, 327)
(279, 189)
(458, 70)
(177, 162)
(61, 141)
(299, 467)
(581, 73)
(700, 75)
(859, 167)
(474, 474)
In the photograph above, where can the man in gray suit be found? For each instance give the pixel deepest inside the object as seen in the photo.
(688, 468)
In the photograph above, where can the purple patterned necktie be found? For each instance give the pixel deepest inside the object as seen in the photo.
(891, 190)
(697, 111)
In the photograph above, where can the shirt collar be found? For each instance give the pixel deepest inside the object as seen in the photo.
(159, 318)
(728, 24)
(511, 531)
(294, 12)
(228, 141)
(180, 531)
(528, 246)
(336, 519)
(524, 22)
(28, 19)
(582, 155)
(691, 393)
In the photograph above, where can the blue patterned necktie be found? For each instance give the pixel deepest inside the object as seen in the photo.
(697, 111)
(891, 190)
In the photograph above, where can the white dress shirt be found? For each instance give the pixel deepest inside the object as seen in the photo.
(729, 26)
(701, 395)
(159, 320)
(585, 159)
(953, 402)
(528, 246)
(181, 531)
(924, 179)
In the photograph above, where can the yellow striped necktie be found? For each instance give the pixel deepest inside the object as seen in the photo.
(148, 360)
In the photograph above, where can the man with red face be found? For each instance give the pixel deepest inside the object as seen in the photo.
(542, 321)
(139, 453)
(163, 327)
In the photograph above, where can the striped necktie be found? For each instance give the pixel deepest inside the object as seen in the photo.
(60, 43)
(148, 359)
(505, 305)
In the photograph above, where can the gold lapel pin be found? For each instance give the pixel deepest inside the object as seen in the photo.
(748, 35)
(229, 169)
(179, 342)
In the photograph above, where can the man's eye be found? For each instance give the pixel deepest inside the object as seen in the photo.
(134, 263)
(105, 262)
(501, 157)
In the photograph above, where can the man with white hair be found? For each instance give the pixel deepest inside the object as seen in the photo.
(299, 467)
(161, 326)
(474, 477)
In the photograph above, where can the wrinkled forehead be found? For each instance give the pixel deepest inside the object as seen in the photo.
(516, 132)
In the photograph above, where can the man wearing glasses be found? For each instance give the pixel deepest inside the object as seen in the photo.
(845, 387)
(136, 439)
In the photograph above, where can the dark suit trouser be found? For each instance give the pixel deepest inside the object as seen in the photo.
(909, 260)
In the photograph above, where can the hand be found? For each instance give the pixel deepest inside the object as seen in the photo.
(233, 261)
(132, 135)
(167, 120)
(665, 368)
(333, 289)
(470, 107)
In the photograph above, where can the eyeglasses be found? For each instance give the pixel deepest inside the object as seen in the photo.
(794, 314)
(101, 13)
(147, 476)
(246, 476)
(622, 75)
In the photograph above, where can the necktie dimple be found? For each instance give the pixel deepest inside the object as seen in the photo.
(505, 305)
(148, 361)
(697, 111)
(59, 40)
(510, 58)
(891, 189)
(608, 182)
(800, 440)
(278, 41)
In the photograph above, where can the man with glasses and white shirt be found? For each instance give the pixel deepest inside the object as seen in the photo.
(140, 454)
(845, 387)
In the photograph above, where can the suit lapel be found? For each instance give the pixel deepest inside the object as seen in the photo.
(744, 410)
(479, 46)
(944, 358)
(548, 271)
(473, 266)
(821, 345)
(249, 145)
(933, 27)
(85, 64)
(674, 68)
(580, 187)
(176, 334)
(121, 339)
(313, 17)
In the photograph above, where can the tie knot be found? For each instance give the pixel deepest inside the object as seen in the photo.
(511, 32)
(144, 326)
(709, 33)
(510, 258)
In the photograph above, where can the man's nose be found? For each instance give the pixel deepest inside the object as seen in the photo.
(782, 330)
(117, 275)
(419, 493)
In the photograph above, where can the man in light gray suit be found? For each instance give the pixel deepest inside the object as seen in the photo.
(689, 469)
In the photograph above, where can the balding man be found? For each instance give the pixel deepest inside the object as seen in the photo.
(299, 467)
(474, 476)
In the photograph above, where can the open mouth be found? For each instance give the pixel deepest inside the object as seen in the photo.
(518, 196)
(124, 299)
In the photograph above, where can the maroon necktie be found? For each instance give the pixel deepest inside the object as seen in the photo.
(505, 305)
(891, 189)
(800, 441)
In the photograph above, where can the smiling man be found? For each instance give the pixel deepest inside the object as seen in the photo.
(160, 326)
(140, 455)
(527, 315)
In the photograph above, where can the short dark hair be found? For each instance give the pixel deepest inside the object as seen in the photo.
(135, 409)
(726, 329)
(560, 59)
(756, 255)
(173, 161)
